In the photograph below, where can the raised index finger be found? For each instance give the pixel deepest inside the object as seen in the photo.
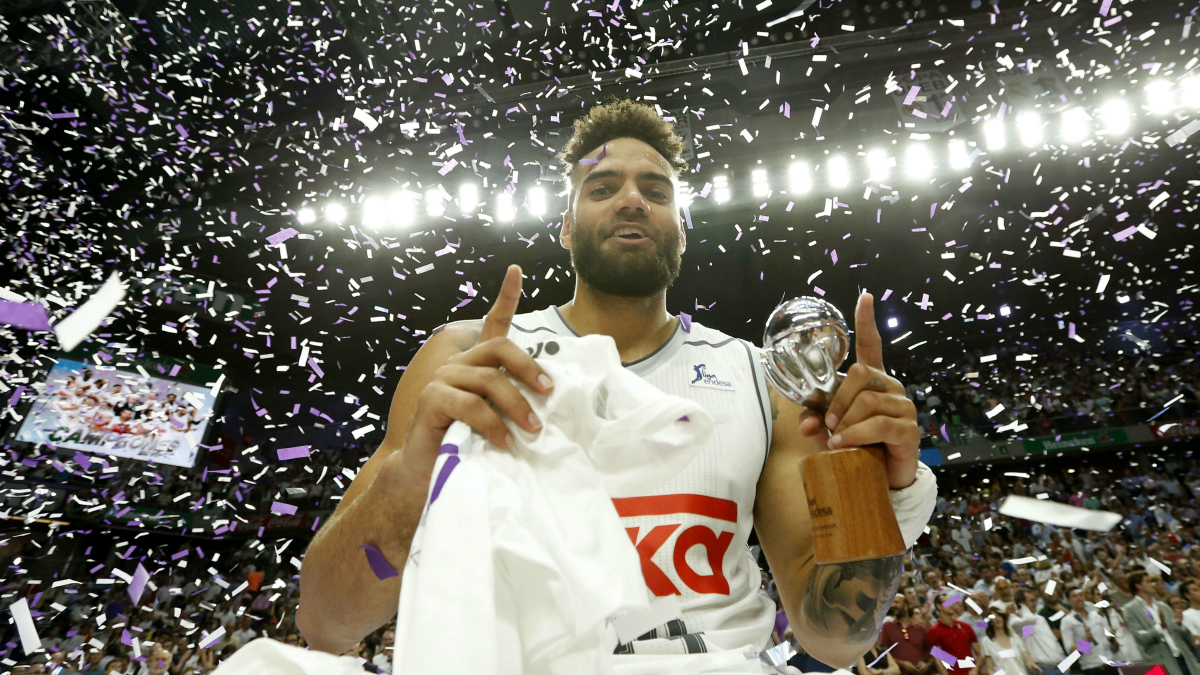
(868, 345)
(499, 318)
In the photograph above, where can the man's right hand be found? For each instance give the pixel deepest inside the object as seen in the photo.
(473, 387)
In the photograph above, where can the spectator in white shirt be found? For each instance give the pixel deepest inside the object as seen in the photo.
(1191, 617)
(1084, 623)
(1043, 647)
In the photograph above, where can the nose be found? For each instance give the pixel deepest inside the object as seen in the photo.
(631, 200)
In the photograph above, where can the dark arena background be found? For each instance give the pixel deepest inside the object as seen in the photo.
(269, 208)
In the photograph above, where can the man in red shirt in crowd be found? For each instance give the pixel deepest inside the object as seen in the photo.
(953, 637)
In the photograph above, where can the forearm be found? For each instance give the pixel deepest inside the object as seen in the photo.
(341, 598)
(842, 610)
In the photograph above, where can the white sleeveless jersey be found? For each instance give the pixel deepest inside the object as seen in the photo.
(691, 533)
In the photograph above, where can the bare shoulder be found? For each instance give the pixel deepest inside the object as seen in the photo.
(461, 335)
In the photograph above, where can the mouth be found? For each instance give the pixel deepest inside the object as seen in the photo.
(630, 232)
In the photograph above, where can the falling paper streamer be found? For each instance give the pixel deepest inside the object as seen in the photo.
(138, 584)
(379, 564)
(293, 452)
(365, 117)
(1062, 515)
(281, 236)
(945, 656)
(27, 315)
(73, 329)
(30, 641)
(1027, 631)
(212, 638)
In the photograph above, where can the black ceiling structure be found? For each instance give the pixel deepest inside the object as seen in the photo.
(167, 140)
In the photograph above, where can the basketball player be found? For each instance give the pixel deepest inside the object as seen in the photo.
(624, 231)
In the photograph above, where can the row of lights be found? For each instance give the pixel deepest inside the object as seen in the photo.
(400, 210)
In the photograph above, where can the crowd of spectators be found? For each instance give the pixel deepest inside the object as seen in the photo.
(1075, 390)
(984, 594)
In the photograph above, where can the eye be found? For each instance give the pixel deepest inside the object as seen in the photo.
(600, 190)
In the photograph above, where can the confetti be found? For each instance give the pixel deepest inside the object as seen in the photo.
(379, 564)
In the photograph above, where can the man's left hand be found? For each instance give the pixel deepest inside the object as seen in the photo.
(870, 406)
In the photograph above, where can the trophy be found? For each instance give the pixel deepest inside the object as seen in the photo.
(804, 343)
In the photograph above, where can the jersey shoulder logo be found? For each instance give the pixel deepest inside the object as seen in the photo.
(706, 379)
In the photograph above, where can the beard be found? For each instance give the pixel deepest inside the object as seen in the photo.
(625, 272)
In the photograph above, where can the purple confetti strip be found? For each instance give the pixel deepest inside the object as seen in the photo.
(943, 656)
(16, 397)
(27, 315)
(283, 509)
(885, 653)
(293, 453)
(138, 584)
(594, 160)
(379, 564)
(1084, 647)
(1027, 631)
(952, 599)
(685, 320)
(281, 236)
(317, 369)
(451, 462)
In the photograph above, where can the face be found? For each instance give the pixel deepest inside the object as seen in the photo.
(632, 186)
(1076, 599)
(1194, 593)
(1178, 604)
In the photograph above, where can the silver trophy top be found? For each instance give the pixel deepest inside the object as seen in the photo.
(805, 342)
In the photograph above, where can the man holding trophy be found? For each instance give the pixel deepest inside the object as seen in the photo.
(823, 467)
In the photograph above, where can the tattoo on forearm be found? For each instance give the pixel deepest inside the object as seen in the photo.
(849, 601)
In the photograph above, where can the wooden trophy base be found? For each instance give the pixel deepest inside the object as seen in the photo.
(848, 501)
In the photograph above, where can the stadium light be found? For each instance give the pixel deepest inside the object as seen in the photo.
(335, 212)
(683, 194)
(1075, 124)
(537, 201)
(1189, 92)
(893, 322)
(1004, 310)
(799, 179)
(1029, 128)
(1160, 98)
(993, 134)
(759, 182)
(917, 161)
(401, 209)
(959, 158)
(306, 216)
(435, 204)
(877, 165)
(505, 211)
(1116, 117)
(374, 213)
(839, 171)
(468, 197)
(721, 189)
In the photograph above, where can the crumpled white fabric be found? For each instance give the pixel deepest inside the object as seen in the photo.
(523, 550)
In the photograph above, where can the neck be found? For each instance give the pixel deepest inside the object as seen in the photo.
(637, 325)
(947, 621)
(1145, 595)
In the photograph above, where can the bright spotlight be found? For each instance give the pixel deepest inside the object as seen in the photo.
(306, 216)
(1075, 123)
(537, 201)
(683, 194)
(1116, 117)
(504, 207)
(917, 162)
(435, 204)
(993, 134)
(374, 213)
(1189, 92)
(893, 322)
(759, 182)
(1004, 310)
(335, 212)
(839, 171)
(959, 158)
(799, 179)
(1029, 128)
(468, 197)
(877, 165)
(721, 189)
(402, 209)
(1160, 98)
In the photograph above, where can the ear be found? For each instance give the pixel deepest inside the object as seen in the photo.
(564, 235)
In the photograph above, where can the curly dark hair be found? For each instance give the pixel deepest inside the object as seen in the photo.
(621, 119)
